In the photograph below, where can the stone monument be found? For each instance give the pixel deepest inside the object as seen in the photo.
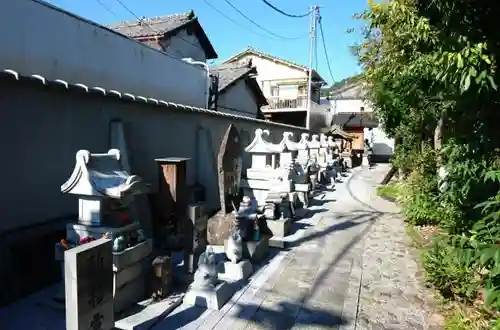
(105, 190)
(229, 167)
(266, 172)
(197, 236)
(207, 290)
(88, 279)
(236, 268)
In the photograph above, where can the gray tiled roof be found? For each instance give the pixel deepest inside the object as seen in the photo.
(230, 72)
(153, 26)
(163, 26)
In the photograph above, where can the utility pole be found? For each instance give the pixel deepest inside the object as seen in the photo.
(312, 40)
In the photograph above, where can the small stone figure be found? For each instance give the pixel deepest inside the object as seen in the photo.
(205, 276)
(141, 237)
(234, 250)
(119, 244)
(246, 214)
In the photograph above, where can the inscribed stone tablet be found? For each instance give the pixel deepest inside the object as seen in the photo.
(89, 286)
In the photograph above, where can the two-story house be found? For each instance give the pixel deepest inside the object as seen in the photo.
(355, 116)
(239, 91)
(179, 35)
(285, 85)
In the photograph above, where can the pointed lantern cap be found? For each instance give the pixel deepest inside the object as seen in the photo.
(102, 175)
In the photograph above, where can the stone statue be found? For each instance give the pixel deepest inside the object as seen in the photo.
(234, 249)
(205, 276)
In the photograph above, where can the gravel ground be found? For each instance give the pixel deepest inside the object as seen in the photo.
(392, 293)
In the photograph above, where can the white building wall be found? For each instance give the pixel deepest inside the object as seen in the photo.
(58, 45)
(270, 70)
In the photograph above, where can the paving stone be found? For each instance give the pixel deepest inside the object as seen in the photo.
(356, 245)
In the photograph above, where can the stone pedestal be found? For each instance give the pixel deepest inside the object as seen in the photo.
(256, 250)
(129, 294)
(195, 236)
(280, 228)
(232, 272)
(213, 298)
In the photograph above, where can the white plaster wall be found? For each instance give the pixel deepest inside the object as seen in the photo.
(59, 45)
(240, 97)
(349, 105)
(271, 70)
(184, 45)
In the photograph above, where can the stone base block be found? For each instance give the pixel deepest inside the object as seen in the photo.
(254, 250)
(209, 298)
(127, 274)
(130, 294)
(277, 242)
(301, 213)
(149, 313)
(280, 227)
(232, 272)
(132, 255)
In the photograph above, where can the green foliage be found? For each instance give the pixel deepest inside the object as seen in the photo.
(389, 191)
(431, 72)
(452, 273)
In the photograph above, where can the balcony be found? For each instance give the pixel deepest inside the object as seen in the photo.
(286, 104)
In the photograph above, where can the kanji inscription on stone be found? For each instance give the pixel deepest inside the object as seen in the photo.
(88, 271)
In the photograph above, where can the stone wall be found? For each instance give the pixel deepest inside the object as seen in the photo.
(43, 126)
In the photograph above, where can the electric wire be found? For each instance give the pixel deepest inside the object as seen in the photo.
(326, 51)
(285, 13)
(258, 25)
(236, 22)
(103, 5)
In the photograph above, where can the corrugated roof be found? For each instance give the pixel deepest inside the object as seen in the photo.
(160, 26)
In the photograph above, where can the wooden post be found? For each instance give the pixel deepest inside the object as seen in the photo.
(173, 190)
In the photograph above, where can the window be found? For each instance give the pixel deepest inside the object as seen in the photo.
(361, 109)
(274, 91)
(289, 90)
(303, 90)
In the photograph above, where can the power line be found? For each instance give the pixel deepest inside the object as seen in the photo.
(236, 22)
(258, 25)
(285, 13)
(326, 52)
(107, 8)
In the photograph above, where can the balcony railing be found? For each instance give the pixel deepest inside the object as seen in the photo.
(282, 103)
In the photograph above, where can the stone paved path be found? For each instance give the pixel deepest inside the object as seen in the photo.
(347, 268)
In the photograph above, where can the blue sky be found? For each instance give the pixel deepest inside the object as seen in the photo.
(229, 38)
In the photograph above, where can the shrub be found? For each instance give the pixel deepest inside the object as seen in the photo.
(453, 275)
